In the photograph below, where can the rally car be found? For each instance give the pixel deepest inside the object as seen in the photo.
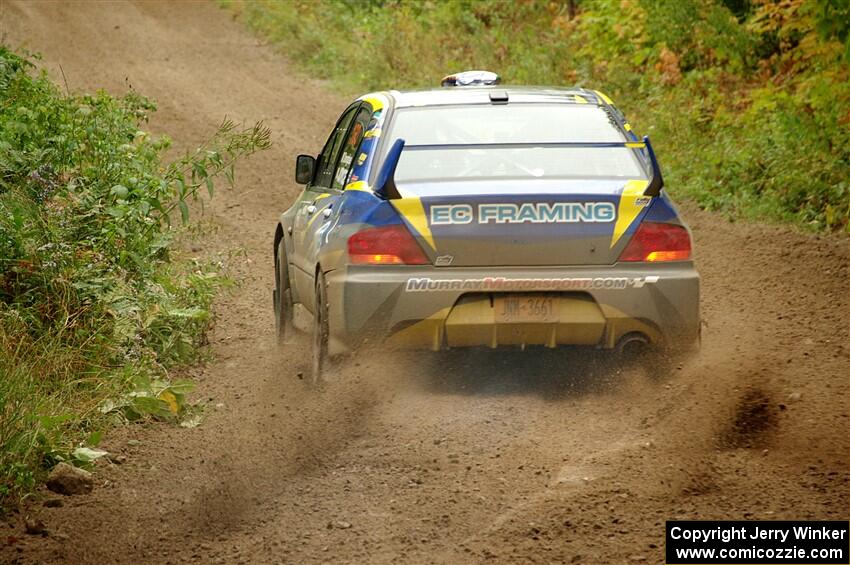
(482, 215)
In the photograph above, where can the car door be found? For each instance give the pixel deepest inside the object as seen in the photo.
(310, 207)
(327, 203)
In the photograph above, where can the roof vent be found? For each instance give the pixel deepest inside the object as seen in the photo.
(471, 78)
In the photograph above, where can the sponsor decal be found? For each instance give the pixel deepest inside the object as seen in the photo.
(427, 284)
(451, 214)
(632, 203)
(529, 212)
(444, 260)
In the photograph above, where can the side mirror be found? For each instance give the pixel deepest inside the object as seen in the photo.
(305, 165)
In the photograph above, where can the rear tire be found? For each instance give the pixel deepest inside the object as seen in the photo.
(320, 357)
(283, 297)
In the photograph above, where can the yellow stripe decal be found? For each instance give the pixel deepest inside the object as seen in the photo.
(412, 210)
(360, 185)
(603, 97)
(632, 202)
(635, 145)
(579, 99)
(377, 100)
(627, 126)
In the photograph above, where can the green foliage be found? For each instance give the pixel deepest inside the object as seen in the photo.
(93, 306)
(748, 101)
(154, 397)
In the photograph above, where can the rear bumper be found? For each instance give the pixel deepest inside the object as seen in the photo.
(437, 307)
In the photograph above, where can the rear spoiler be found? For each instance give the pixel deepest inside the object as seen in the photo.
(386, 188)
(656, 183)
(385, 183)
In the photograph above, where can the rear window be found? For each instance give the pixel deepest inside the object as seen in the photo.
(523, 125)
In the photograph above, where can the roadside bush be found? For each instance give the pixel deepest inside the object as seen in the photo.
(95, 303)
(748, 102)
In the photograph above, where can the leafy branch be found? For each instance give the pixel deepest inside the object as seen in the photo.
(197, 170)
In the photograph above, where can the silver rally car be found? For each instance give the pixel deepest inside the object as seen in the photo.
(483, 215)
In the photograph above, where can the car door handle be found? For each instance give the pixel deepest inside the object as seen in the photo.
(311, 209)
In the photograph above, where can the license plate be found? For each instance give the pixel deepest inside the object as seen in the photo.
(524, 308)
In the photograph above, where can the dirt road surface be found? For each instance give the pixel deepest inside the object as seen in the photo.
(448, 459)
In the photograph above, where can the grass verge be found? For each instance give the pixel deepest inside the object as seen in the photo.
(96, 309)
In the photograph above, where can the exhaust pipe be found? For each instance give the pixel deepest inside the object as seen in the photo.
(632, 346)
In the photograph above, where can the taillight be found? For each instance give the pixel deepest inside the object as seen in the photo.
(656, 242)
(385, 245)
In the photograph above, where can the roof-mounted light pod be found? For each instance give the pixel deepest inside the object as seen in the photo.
(472, 78)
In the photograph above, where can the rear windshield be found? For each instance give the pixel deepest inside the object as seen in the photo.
(523, 125)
